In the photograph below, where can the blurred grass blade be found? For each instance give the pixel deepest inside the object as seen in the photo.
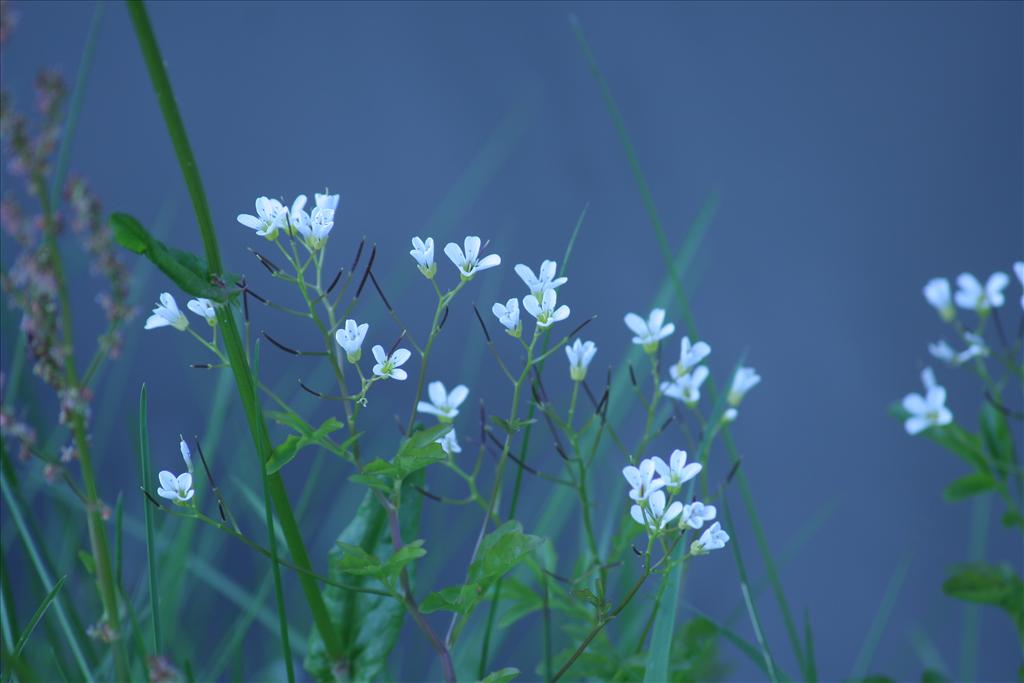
(14, 509)
(878, 624)
(812, 665)
(151, 561)
(60, 169)
(970, 642)
(31, 625)
(660, 650)
(687, 314)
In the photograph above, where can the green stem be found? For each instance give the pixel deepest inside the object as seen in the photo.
(94, 518)
(232, 340)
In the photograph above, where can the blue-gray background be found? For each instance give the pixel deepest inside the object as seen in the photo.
(855, 149)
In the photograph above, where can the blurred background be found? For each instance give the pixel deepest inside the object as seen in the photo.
(845, 153)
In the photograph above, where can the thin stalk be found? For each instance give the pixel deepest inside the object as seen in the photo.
(232, 340)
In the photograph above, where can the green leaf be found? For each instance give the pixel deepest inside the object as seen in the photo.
(989, 585)
(447, 599)
(368, 624)
(287, 450)
(185, 269)
(87, 562)
(513, 426)
(930, 676)
(968, 486)
(501, 675)
(1013, 518)
(410, 552)
(995, 432)
(357, 561)
(587, 595)
(372, 482)
(500, 551)
(417, 452)
(658, 654)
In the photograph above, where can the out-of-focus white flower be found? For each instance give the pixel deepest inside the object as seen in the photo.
(350, 338)
(713, 538)
(687, 387)
(970, 293)
(389, 366)
(696, 513)
(641, 479)
(167, 313)
(186, 454)
(656, 517)
(449, 443)
(203, 308)
(939, 294)
(976, 348)
(730, 415)
(929, 410)
(690, 356)
(443, 404)
(423, 252)
(1018, 270)
(546, 312)
(508, 315)
(315, 231)
(649, 332)
(179, 489)
(468, 261)
(327, 201)
(676, 472)
(544, 279)
(270, 217)
(580, 354)
(743, 381)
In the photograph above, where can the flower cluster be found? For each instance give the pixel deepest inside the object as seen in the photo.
(541, 302)
(929, 409)
(649, 481)
(167, 314)
(312, 229)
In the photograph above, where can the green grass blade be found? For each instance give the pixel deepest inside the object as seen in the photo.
(9, 619)
(40, 611)
(245, 380)
(755, 622)
(14, 509)
(660, 650)
(877, 629)
(151, 561)
(812, 664)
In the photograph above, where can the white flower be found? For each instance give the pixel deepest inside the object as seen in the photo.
(317, 228)
(743, 381)
(544, 279)
(655, 517)
(970, 294)
(327, 201)
(676, 472)
(690, 356)
(713, 538)
(649, 332)
(580, 354)
(443, 404)
(298, 219)
(929, 410)
(642, 480)
(203, 308)
(388, 366)
(179, 489)
(943, 351)
(696, 513)
(469, 262)
(508, 315)
(423, 252)
(350, 338)
(270, 217)
(687, 387)
(545, 311)
(449, 443)
(730, 415)
(938, 293)
(186, 454)
(1018, 270)
(167, 313)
